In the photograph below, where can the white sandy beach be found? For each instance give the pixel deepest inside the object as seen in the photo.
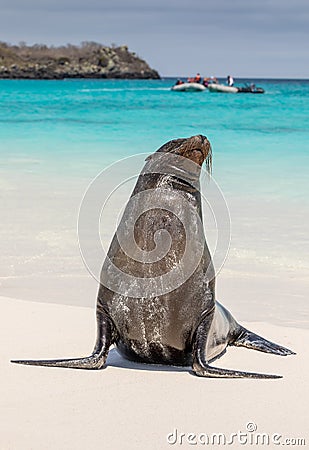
(47, 306)
(131, 406)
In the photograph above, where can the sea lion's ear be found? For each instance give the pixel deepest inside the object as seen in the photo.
(169, 147)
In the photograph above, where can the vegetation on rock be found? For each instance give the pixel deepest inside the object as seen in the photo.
(88, 60)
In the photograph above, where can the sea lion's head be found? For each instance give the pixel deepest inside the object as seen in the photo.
(195, 148)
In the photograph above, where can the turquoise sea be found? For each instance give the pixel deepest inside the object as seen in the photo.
(56, 136)
(260, 142)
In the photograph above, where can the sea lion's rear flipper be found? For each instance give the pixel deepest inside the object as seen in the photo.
(95, 361)
(251, 340)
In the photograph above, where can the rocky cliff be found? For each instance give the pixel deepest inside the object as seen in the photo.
(89, 60)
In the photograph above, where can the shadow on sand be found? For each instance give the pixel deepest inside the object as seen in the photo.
(116, 360)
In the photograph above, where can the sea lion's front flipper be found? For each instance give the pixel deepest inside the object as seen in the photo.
(201, 366)
(207, 371)
(96, 360)
(251, 340)
(90, 362)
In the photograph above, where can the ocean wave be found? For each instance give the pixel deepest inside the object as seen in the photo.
(287, 261)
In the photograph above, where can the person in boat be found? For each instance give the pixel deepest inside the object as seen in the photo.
(197, 78)
(209, 80)
(178, 82)
(230, 80)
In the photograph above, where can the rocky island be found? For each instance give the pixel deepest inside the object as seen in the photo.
(88, 60)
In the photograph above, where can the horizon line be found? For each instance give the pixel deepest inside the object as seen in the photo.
(242, 77)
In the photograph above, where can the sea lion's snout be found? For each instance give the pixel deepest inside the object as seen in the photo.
(205, 146)
(199, 143)
(198, 149)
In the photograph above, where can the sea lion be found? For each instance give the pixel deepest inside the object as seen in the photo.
(183, 323)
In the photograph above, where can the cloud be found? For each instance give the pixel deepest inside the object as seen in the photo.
(174, 35)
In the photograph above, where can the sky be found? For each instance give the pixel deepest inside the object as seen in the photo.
(244, 38)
